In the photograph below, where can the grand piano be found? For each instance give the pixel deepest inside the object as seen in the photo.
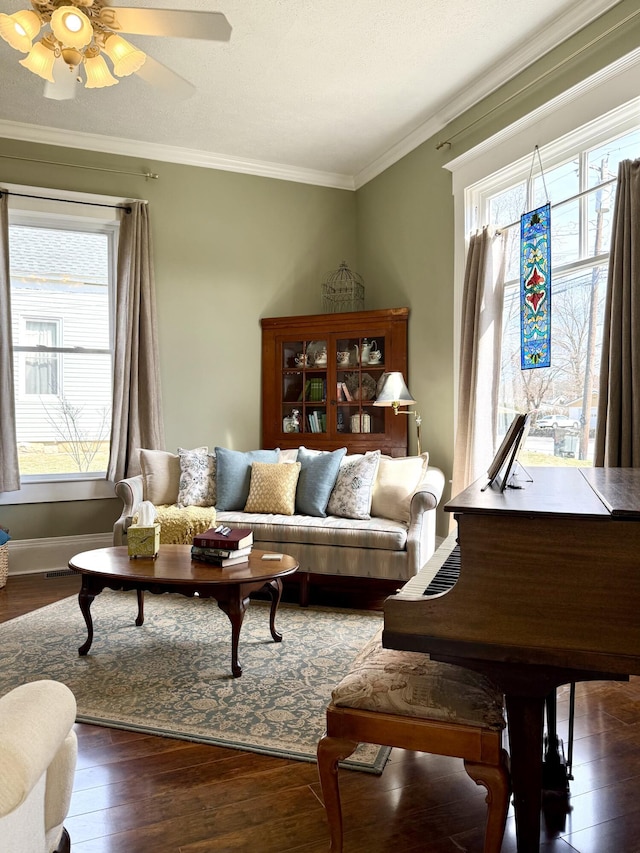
(548, 594)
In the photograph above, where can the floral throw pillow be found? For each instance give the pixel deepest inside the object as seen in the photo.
(197, 477)
(351, 495)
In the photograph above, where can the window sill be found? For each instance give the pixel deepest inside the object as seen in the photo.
(61, 490)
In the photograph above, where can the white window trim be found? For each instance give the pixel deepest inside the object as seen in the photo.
(85, 486)
(599, 106)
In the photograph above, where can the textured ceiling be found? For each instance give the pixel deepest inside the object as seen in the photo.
(332, 86)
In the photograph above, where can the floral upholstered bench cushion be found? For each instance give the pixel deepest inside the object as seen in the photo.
(410, 684)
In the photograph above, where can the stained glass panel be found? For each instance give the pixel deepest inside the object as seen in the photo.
(535, 288)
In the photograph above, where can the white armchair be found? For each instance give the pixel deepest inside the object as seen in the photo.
(38, 750)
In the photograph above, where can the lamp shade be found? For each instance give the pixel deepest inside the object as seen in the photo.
(71, 27)
(20, 29)
(393, 391)
(40, 59)
(98, 74)
(126, 58)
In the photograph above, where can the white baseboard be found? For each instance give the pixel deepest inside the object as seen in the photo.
(33, 556)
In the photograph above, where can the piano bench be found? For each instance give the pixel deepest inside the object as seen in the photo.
(406, 700)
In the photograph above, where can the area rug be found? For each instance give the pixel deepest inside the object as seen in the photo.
(172, 675)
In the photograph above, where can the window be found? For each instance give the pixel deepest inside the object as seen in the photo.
(580, 181)
(62, 260)
(41, 369)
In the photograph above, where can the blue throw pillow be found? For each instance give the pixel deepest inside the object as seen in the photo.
(233, 475)
(318, 474)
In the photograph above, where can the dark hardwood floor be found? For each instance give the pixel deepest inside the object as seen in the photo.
(139, 794)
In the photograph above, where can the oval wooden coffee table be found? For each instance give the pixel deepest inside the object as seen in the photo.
(173, 570)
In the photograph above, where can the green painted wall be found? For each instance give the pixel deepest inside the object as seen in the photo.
(406, 227)
(229, 249)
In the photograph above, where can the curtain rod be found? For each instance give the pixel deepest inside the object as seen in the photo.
(564, 201)
(147, 175)
(539, 78)
(125, 207)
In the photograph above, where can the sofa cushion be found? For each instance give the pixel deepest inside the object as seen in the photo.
(317, 478)
(160, 476)
(351, 495)
(197, 477)
(273, 487)
(397, 480)
(233, 475)
(376, 533)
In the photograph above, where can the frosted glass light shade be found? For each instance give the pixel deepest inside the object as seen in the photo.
(98, 74)
(126, 58)
(40, 60)
(71, 27)
(20, 29)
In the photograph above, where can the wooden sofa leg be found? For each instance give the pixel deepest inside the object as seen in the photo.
(331, 750)
(496, 780)
(304, 589)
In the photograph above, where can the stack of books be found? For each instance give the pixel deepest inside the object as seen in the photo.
(222, 546)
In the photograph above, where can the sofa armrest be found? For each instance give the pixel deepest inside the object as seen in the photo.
(36, 719)
(131, 493)
(421, 535)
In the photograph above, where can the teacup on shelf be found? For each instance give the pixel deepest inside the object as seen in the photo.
(301, 359)
(343, 357)
(375, 356)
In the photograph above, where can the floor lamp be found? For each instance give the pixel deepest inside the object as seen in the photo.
(392, 391)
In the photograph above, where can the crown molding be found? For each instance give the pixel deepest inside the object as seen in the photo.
(566, 25)
(152, 151)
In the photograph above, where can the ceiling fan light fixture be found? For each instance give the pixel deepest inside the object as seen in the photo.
(41, 58)
(126, 58)
(20, 29)
(71, 27)
(98, 74)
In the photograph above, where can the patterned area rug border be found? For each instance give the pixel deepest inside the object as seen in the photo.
(171, 676)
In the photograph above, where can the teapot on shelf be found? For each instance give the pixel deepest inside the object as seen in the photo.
(365, 351)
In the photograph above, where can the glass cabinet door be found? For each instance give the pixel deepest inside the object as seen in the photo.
(304, 386)
(360, 364)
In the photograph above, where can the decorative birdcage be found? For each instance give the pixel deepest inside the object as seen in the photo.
(342, 290)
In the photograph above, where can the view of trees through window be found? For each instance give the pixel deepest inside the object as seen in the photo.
(562, 398)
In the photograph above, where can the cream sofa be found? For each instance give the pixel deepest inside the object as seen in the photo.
(38, 749)
(375, 547)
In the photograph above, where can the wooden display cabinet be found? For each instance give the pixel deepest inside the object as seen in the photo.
(320, 375)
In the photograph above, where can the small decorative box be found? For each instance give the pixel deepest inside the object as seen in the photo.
(143, 541)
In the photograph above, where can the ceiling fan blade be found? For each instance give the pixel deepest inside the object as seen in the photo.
(169, 22)
(64, 88)
(164, 78)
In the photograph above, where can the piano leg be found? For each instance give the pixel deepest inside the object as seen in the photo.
(526, 724)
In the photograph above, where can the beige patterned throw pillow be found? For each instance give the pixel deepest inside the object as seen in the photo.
(273, 488)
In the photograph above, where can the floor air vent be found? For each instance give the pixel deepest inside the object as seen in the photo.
(60, 574)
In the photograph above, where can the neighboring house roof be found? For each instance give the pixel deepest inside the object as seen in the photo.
(70, 256)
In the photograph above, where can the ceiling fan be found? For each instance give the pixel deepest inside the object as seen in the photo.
(80, 33)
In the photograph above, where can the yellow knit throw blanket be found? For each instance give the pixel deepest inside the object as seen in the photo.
(180, 524)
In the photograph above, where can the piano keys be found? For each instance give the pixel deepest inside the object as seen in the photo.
(548, 593)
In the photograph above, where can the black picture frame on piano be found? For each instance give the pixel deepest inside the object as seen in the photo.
(501, 467)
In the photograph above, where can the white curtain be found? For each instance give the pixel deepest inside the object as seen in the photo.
(480, 346)
(137, 405)
(9, 470)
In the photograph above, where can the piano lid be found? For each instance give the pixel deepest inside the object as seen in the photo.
(617, 488)
(557, 491)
